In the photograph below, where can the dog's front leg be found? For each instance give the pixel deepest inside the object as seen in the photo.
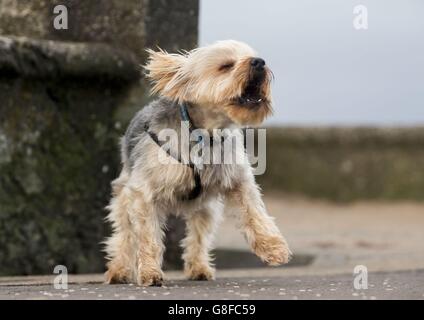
(200, 227)
(147, 221)
(257, 226)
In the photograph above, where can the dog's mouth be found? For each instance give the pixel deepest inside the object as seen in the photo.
(250, 98)
(252, 95)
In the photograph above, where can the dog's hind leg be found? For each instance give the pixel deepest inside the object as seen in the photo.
(200, 228)
(135, 248)
(120, 246)
(148, 222)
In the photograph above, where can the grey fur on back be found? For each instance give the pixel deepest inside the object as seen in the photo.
(165, 114)
(159, 114)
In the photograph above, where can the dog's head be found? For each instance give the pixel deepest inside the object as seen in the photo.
(227, 76)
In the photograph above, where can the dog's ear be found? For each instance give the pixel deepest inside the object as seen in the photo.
(165, 71)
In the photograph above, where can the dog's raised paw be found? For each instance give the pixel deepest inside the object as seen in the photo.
(274, 251)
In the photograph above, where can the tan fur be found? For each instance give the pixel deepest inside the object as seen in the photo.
(200, 228)
(196, 77)
(258, 227)
(121, 244)
(147, 190)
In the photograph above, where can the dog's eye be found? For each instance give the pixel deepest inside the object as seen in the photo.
(226, 66)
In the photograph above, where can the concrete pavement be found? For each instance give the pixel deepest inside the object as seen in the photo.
(381, 235)
(382, 285)
(328, 241)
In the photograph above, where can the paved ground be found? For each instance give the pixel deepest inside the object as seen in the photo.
(385, 237)
(393, 285)
(381, 235)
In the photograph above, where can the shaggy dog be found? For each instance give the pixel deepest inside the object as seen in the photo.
(221, 86)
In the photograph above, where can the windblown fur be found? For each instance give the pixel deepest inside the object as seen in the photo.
(222, 90)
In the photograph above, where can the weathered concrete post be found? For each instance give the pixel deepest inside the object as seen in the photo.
(65, 98)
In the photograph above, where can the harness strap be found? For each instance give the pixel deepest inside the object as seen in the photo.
(197, 190)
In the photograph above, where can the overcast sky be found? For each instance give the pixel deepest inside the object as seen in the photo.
(326, 71)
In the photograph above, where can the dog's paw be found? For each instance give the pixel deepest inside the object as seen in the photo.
(150, 278)
(272, 250)
(116, 276)
(200, 273)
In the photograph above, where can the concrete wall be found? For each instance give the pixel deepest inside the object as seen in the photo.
(346, 164)
(66, 97)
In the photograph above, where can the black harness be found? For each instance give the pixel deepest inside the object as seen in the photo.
(197, 190)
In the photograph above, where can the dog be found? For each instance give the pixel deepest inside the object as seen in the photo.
(221, 86)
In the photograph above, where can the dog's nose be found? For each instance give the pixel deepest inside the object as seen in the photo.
(257, 63)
